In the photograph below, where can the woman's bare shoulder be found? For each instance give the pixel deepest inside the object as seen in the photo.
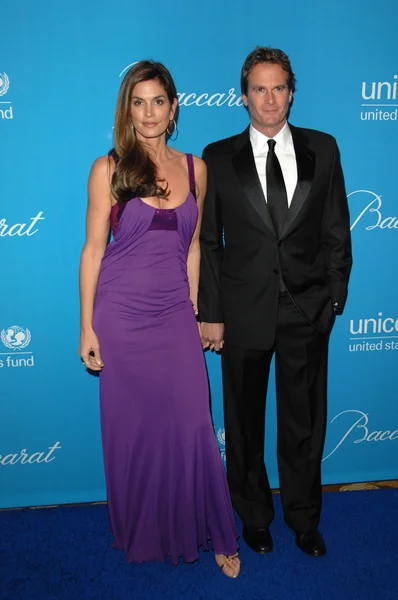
(103, 167)
(200, 165)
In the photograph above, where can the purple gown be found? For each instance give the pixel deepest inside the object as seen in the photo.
(166, 484)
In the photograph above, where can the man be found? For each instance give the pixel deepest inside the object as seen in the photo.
(275, 264)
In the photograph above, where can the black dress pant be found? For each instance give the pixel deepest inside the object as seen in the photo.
(301, 355)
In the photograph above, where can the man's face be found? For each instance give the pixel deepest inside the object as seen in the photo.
(268, 98)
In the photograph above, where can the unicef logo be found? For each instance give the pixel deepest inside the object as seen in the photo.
(15, 337)
(221, 436)
(4, 84)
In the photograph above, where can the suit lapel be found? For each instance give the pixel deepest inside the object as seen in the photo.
(305, 159)
(245, 167)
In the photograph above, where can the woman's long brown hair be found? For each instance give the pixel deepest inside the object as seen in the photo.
(135, 172)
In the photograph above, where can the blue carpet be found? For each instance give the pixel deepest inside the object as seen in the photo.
(64, 553)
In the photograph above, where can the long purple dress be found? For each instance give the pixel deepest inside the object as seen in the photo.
(166, 485)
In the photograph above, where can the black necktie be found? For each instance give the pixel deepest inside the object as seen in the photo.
(276, 191)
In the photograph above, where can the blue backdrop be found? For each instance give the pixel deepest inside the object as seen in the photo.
(60, 70)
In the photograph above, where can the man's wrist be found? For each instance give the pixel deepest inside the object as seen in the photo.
(336, 307)
(196, 312)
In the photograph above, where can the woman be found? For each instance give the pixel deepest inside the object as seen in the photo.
(166, 485)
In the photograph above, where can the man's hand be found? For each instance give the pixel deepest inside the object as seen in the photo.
(212, 335)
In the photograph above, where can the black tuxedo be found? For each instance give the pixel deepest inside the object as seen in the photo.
(242, 261)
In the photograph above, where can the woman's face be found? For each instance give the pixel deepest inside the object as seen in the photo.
(150, 109)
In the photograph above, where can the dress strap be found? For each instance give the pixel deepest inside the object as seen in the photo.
(191, 175)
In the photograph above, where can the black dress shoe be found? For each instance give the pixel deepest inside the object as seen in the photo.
(258, 539)
(311, 543)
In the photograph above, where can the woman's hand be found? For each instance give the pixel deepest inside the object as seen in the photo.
(89, 351)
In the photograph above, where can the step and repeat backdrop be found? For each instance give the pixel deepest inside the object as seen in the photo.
(61, 65)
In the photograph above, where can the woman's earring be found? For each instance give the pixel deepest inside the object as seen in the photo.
(170, 133)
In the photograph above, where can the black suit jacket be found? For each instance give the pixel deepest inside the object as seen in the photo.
(241, 255)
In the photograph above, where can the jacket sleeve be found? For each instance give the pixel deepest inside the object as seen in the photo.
(211, 251)
(336, 236)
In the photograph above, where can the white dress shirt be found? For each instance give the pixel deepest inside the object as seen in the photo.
(284, 150)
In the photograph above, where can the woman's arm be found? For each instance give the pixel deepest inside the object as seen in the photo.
(97, 231)
(193, 259)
